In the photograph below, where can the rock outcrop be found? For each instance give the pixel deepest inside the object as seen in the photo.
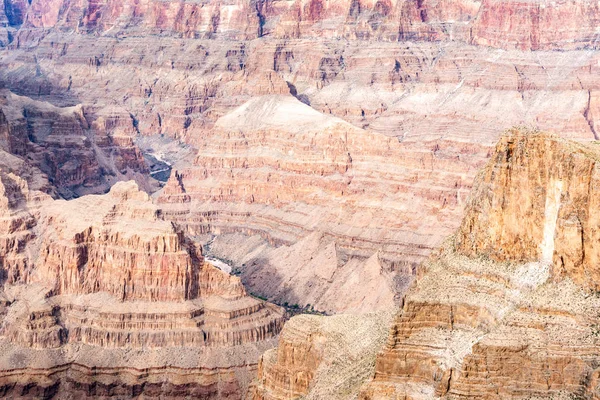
(506, 320)
(100, 296)
(122, 248)
(536, 201)
(321, 357)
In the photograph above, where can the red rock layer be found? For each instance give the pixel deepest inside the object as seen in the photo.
(536, 200)
(84, 381)
(105, 275)
(537, 25)
(519, 24)
(476, 328)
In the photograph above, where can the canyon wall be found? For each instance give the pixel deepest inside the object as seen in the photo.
(521, 24)
(416, 78)
(480, 322)
(536, 201)
(59, 143)
(321, 188)
(100, 296)
(506, 320)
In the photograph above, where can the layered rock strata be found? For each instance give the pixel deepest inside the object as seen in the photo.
(100, 296)
(418, 71)
(516, 23)
(473, 327)
(323, 190)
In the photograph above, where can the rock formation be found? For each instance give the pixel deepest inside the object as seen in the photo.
(417, 72)
(321, 357)
(324, 148)
(533, 25)
(536, 201)
(101, 296)
(493, 314)
(416, 76)
(499, 316)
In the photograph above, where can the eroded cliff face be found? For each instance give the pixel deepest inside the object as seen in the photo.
(417, 72)
(537, 25)
(536, 200)
(506, 320)
(521, 24)
(472, 326)
(100, 296)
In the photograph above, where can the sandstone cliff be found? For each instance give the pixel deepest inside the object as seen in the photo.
(507, 320)
(473, 326)
(536, 201)
(100, 296)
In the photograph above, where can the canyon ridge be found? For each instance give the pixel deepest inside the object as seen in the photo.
(416, 178)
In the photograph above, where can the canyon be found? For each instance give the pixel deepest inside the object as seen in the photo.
(322, 153)
(499, 311)
(422, 89)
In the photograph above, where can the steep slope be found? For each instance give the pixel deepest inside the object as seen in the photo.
(519, 327)
(321, 357)
(103, 297)
(473, 327)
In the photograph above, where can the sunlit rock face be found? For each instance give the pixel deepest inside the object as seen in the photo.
(502, 311)
(426, 87)
(86, 283)
(536, 201)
